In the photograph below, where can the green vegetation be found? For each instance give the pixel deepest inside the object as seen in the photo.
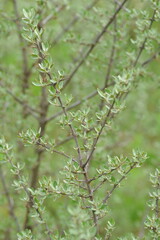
(80, 121)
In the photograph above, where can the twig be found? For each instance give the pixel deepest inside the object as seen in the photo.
(151, 58)
(111, 59)
(47, 147)
(118, 183)
(30, 109)
(72, 131)
(157, 209)
(77, 103)
(145, 40)
(23, 49)
(95, 42)
(95, 219)
(50, 16)
(10, 200)
(26, 190)
(99, 134)
(72, 23)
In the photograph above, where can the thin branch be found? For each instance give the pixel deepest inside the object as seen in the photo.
(118, 183)
(51, 16)
(95, 42)
(41, 125)
(95, 219)
(72, 131)
(154, 56)
(103, 174)
(9, 199)
(94, 93)
(111, 59)
(145, 40)
(26, 190)
(35, 169)
(157, 209)
(72, 23)
(47, 147)
(99, 134)
(23, 49)
(30, 109)
(77, 103)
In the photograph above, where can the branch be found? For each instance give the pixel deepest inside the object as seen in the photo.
(31, 110)
(77, 103)
(28, 193)
(145, 40)
(72, 23)
(47, 147)
(154, 56)
(111, 59)
(95, 42)
(118, 183)
(26, 73)
(10, 200)
(72, 131)
(99, 134)
(50, 16)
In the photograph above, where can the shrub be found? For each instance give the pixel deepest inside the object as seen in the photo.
(65, 80)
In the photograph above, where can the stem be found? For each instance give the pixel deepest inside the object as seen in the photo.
(95, 42)
(118, 183)
(99, 134)
(145, 40)
(72, 131)
(72, 23)
(26, 73)
(9, 199)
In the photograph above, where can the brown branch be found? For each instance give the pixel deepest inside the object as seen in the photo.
(154, 56)
(35, 169)
(95, 42)
(31, 200)
(72, 131)
(30, 109)
(41, 125)
(117, 184)
(72, 23)
(103, 174)
(50, 16)
(94, 93)
(111, 58)
(95, 219)
(77, 103)
(99, 134)
(47, 147)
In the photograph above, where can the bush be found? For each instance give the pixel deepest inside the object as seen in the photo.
(77, 83)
